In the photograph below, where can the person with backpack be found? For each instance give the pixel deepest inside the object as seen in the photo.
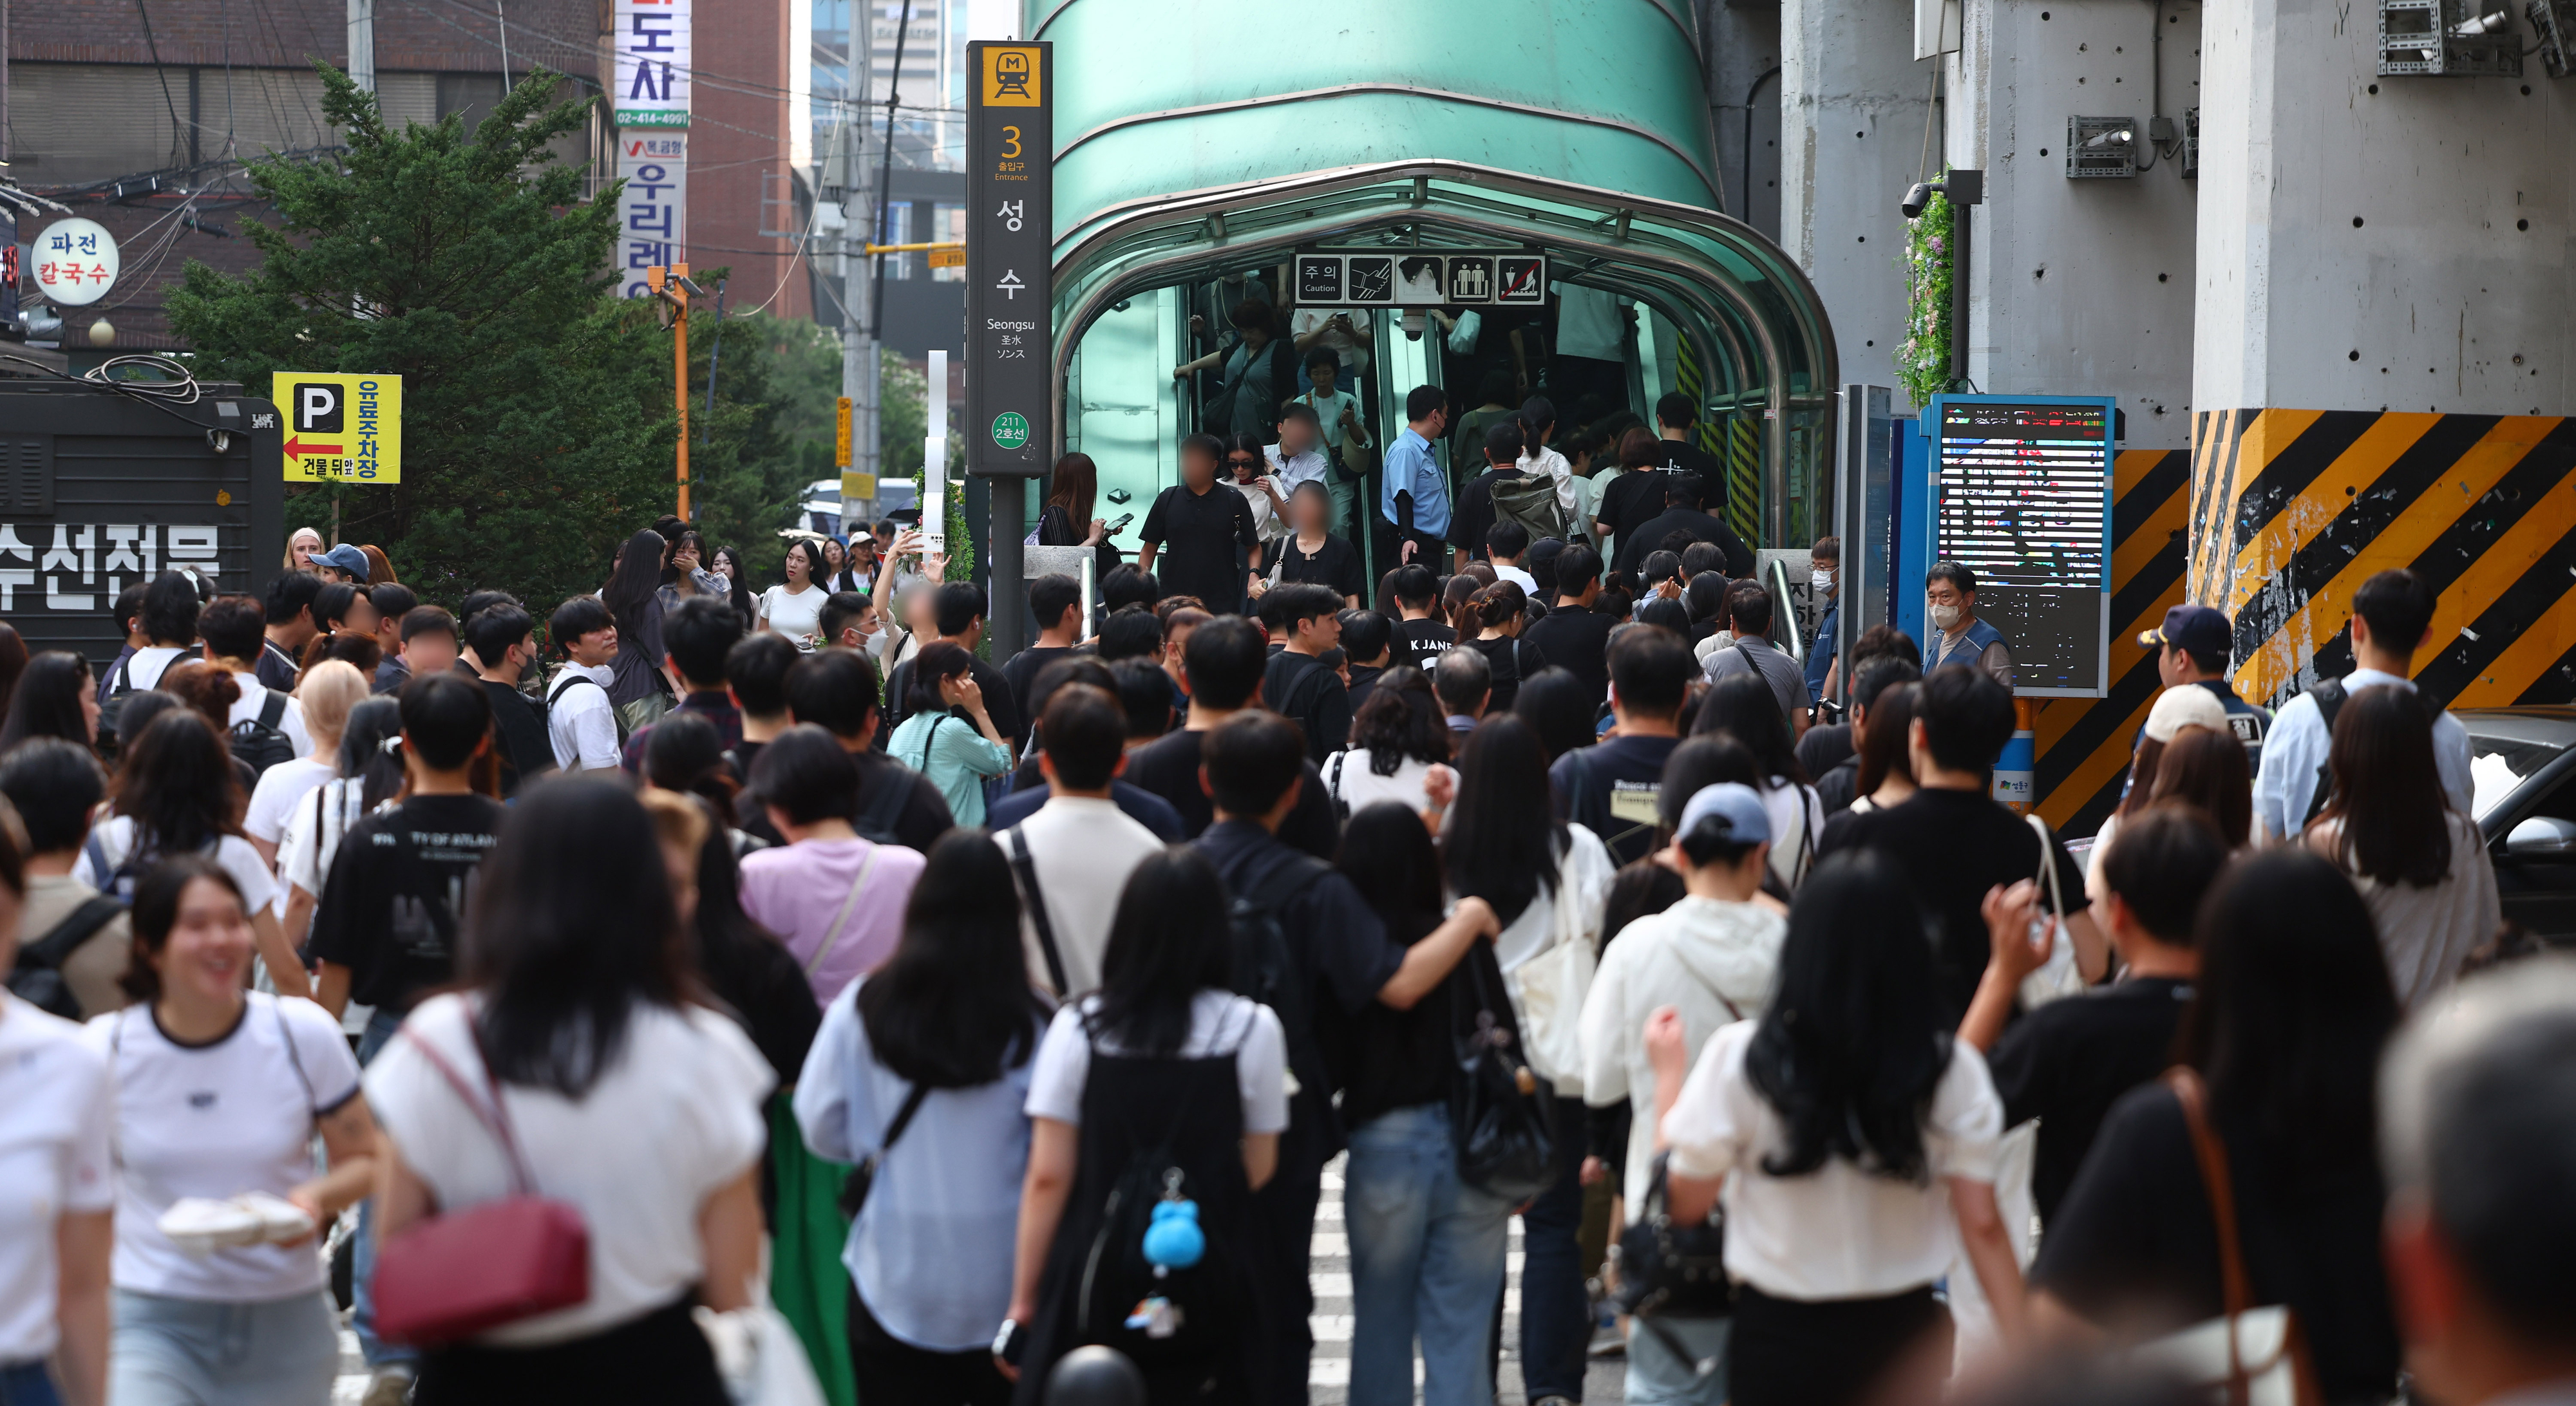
(586, 730)
(2392, 621)
(267, 726)
(601, 1084)
(1682, 515)
(1477, 512)
(330, 689)
(166, 627)
(72, 940)
(502, 640)
(1225, 660)
(1309, 948)
(1071, 857)
(1612, 788)
(177, 792)
(1307, 622)
(1164, 1087)
(1710, 958)
(289, 610)
(835, 897)
(921, 1074)
(221, 1093)
(836, 689)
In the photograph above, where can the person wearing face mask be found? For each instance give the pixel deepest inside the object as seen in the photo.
(1824, 577)
(1959, 637)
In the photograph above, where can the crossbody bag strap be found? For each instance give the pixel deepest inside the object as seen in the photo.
(2047, 875)
(903, 1119)
(2236, 1288)
(841, 924)
(487, 1109)
(1024, 867)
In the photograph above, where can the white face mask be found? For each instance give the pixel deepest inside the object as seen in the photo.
(1946, 616)
(1820, 580)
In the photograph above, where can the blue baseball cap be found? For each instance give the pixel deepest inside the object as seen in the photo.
(2196, 628)
(346, 558)
(1733, 802)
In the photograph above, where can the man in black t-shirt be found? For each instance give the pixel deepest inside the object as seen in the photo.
(1613, 787)
(1224, 660)
(504, 639)
(1682, 514)
(1203, 532)
(1838, 783)
(385, 931)
(1572, 636)
(1957, 844)
(2067, 1062)
(1055, 606)
(696, 639)
(1306, 621)
(836, 689)
(1338, 959)
(1419, 637)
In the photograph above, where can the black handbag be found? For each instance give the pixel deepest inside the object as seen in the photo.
(1506, 1143)
(1669, 1267)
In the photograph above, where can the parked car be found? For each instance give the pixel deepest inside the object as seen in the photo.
(2522, 773)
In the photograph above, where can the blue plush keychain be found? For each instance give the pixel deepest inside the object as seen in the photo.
(1173, 1240)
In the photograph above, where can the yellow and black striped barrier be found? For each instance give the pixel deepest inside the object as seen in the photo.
(2292, 509)
(2083, 743)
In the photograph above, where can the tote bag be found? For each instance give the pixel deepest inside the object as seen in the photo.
(1550, 987)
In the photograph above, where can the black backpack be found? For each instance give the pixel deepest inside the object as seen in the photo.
(259, 743)
(1263, 968)
(2331, 695)
(120, 686)
(37, 979)
(875, 821)
(566, 680)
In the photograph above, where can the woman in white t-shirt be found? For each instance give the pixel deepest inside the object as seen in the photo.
(177, 794)
(624, 1098)
(1399, 750)
(796, 609)
(1163, 1058)
(327, 692)
(1855, 1144)
(219, 1095)
(55, 1218)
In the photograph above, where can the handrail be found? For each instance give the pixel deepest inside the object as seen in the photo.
(1783, 616)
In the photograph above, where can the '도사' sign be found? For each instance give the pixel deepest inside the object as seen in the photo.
(653, 80)
(341, 428)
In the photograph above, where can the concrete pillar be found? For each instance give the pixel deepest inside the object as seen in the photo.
(2079, 286)
(2386, 337)
(1855, 108)
(1741, 52)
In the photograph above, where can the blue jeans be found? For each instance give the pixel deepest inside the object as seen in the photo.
(362, 1263)
(27, 1384)
(1556, 1310)
(208, 1352)
(1426, 1259)
(1658, 1377)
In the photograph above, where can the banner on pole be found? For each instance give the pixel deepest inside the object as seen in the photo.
(653, 79)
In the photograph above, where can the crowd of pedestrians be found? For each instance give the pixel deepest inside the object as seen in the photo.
(569, 994)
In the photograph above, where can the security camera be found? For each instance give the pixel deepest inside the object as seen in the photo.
(1916, 197)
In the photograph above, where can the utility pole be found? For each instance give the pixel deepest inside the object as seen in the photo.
(362, 44)
(859, 361)
(672, 285)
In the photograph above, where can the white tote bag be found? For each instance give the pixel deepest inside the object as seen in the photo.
(760, 1357)
(2058, 976)
(1550, 988)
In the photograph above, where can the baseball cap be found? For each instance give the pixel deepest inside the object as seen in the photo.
(345, 558)
(1733, 802)
(2182, 706)
(2197, 628)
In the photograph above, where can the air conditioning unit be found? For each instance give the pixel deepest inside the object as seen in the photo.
(2101, 148)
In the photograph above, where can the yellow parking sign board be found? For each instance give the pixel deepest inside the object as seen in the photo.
(341, 427)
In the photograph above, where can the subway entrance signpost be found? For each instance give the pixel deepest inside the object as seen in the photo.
(1010, 290)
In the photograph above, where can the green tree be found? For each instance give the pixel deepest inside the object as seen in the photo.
(537, 410)
(777, 382)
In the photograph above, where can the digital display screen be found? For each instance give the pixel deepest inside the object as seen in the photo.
(2025, 503)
